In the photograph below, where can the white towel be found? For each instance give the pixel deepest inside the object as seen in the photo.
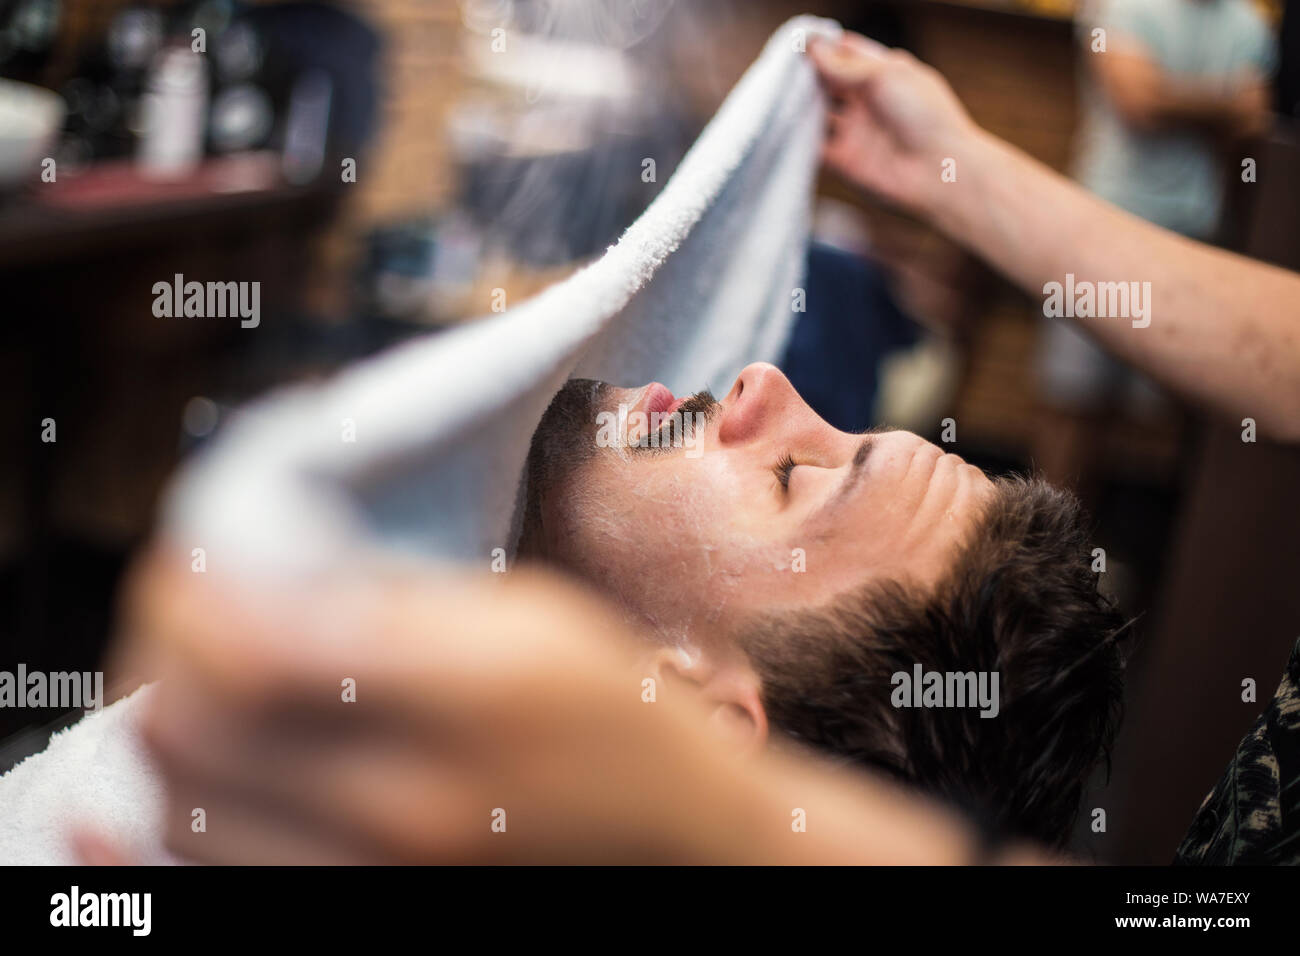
(700, 285)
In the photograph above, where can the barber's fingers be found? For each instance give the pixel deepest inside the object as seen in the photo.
(225, 626)
(398, 635)
(837, 147)
(391, 796)
(851, 133)
(170, 613)
(217, 825)
(446, 828)
(847, 63)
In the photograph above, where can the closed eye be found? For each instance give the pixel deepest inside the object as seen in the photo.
(782, 470)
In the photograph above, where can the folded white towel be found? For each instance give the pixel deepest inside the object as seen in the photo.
(700, 285)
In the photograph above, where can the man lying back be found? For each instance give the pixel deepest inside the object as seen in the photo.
(807, 580)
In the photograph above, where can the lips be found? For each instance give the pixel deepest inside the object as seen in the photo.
(658, 399)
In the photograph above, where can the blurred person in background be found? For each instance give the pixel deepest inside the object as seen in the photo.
(1176, 85)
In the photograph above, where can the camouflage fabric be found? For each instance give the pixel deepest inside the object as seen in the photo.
(1253, 815)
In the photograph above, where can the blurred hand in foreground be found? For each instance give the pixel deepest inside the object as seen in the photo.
(478, 701)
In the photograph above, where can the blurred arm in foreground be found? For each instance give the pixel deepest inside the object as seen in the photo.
(472, 697)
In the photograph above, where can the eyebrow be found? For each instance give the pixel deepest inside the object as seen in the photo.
(857, 468)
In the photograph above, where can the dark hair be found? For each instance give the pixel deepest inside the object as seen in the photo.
(1022, 600)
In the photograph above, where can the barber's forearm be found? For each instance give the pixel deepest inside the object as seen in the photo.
(781, 808)
(852, 820)
(1224, 330)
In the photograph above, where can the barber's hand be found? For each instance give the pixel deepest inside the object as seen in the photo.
(893, 120)
(518, 697)
(514, 701)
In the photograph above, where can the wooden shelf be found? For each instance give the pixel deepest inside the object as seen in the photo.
(111, 208)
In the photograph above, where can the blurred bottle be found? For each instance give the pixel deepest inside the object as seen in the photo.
(307, 127)
(174, 113)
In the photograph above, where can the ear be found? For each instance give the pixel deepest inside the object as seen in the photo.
(727, 684)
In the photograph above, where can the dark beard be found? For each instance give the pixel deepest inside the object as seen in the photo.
(564, 439)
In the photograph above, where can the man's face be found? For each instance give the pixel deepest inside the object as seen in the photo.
(765, 507)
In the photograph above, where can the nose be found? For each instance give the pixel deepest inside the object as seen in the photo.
(761, 395)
